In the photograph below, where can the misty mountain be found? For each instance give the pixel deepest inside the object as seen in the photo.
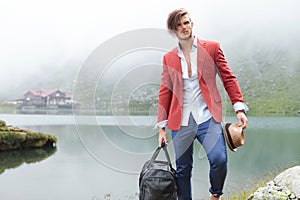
(268, 74)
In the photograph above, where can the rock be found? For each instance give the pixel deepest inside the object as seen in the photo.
(251, 197)
(290, 178)
(286, 186)
(2, 123)
(107, 196)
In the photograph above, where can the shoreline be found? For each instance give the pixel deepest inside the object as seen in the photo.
(123, 120)
(14, 138)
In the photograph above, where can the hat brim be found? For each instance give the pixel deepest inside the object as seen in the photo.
(233, 141)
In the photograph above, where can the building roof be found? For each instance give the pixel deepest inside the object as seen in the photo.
(44, 93)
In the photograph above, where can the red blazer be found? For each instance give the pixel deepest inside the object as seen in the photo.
(210, 61)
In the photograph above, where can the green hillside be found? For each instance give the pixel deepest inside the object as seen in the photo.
(268, 74)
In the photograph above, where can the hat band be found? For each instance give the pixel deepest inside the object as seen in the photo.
(228, 135)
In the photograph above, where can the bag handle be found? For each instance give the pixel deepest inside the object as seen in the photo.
(164, 147)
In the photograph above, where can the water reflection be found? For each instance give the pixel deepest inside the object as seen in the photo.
(84, 166)
(14, 159)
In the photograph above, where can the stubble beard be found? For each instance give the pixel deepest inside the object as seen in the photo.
(184, 38)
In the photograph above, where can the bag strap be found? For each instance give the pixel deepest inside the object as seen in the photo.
(164, 147)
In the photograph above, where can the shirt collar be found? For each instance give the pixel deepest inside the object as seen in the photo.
(194, 47)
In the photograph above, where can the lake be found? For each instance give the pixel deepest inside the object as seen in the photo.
(98, 157)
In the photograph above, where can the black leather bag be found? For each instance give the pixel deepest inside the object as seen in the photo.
(157, 179)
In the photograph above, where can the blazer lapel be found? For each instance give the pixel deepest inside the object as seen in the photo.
(201, 56)
(175, 72)
(176, 63)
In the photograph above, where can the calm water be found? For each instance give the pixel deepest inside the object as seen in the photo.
(97, 156)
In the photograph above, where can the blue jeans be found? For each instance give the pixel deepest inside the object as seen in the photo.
(210, 135)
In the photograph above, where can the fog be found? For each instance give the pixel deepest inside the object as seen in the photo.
(43, 44)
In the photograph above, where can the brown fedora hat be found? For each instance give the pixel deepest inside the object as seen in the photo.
(234, 135)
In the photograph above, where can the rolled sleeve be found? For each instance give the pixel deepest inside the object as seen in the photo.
(161, 124)
(240, 106)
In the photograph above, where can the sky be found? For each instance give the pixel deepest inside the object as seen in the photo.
(40, 36)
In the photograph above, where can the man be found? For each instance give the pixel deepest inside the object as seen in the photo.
(190, 104)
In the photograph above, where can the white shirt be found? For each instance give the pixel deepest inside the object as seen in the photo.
(193, 101)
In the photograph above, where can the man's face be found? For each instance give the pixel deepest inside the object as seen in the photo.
(184, 28)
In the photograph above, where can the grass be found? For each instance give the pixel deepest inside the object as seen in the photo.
(14, 138)
(244, 193)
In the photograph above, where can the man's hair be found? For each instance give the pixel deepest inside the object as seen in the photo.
(174, 17)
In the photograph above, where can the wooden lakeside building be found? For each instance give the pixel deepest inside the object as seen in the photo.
(53, 98)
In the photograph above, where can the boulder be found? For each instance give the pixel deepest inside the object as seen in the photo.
(285, 186)
(290, 178)
(2, 123)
